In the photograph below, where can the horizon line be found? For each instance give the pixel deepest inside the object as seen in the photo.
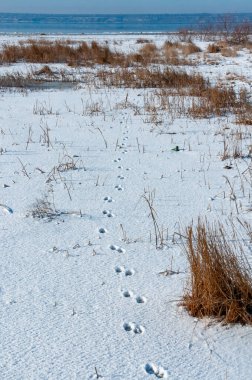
(124, 14)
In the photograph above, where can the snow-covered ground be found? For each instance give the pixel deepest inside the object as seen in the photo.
(82, 292)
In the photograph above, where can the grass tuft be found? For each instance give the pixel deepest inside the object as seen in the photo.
(220, 284)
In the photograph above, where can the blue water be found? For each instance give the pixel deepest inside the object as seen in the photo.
(36, 23)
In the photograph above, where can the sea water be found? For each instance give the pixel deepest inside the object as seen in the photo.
(111, 23)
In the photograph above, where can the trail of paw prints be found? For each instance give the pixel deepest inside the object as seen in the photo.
(122, 270)
(121, 177)
(133, 327)
(117, 159)
(119, 188)
(114, 247)
(108, 199)
(137, 299)
(108, 213)
(157, 371)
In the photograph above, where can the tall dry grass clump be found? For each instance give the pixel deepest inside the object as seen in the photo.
(43, 51)
(149, 53)
(244, 111)
(154, 78)
(213, 48)
(220, 284)
(176, 53)
(170, 53)
(76, 53)
(190, 48)
(214, 101)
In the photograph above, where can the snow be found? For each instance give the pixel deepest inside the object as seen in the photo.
(84, 292)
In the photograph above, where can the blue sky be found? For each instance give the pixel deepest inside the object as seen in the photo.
(125, 6)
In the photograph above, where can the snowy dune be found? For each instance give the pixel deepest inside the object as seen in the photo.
(83, 291)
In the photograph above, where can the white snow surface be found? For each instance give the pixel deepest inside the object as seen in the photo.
(82, 294)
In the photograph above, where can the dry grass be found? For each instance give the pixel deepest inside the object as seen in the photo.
(83, 54)
(43, 209)
(229, 52)
(244, 111)
(190, 48)
(214, 101)
(42, 51)
(170, 53)
(149, 53)
(16, 80)
(152, 78)
(220, 284)
(45, 70)
(244, 114)
(213, 48)
(142, 41)
(138, 70)
(223, 48)
(176, 53)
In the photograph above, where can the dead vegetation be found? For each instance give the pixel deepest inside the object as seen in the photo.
(244, 114)
(151, 78)
(225, 29)
(176, 53)
(159, 235)
(220, 284)
(45, 70)
(223, 48)
(87, 55)
(178, 92)
(42, 51)
(43, 209)
(146, 68)
(214, 101)
(181, 93)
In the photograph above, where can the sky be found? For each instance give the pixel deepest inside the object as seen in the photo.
(125, 6)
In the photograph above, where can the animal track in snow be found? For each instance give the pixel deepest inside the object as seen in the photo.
(119, 269)
(108, 199)
(130, 294)
(119, 188)
(140, 299)
(129, 272)
(133, 327)
(123, 270)
(158, 371)
(127, 294)
(120, 177)
(108, 213)
(102, 230)
(114, 247)
(118, 159)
